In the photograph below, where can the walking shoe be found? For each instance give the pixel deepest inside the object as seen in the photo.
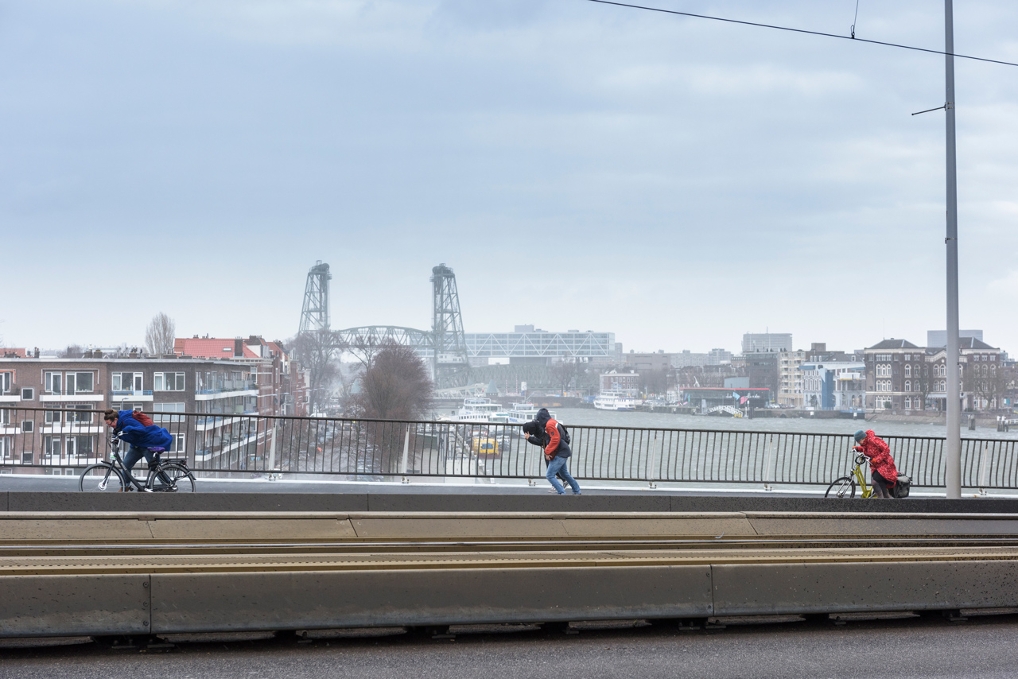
(146, 490)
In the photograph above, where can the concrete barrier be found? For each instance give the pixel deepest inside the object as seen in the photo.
(737, 563)
(260, 601)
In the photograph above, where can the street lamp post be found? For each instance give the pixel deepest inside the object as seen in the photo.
(953, 443)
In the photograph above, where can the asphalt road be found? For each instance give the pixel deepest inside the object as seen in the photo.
(983, 648)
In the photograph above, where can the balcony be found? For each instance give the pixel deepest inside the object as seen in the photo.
(227, 390)
(140, 395)
(53, 397)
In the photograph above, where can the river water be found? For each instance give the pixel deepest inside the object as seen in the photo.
(663, 420)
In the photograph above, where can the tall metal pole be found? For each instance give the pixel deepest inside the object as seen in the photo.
(953, 447)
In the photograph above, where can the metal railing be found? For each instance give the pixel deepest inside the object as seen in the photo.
(377, 449)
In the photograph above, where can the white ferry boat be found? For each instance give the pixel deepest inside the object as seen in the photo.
(613, 400)
(519, 413)
(480, 410)
(483, 411)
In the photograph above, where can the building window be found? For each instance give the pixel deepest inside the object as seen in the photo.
(83, 414)
(52, 446)
(83, 445)
(908, 371)
(908, 385)
(168, 382)
(52, 382)
(128, 382)
(6, 378)
(28, 426)
(917, 402)
(168, 412)
(5, 417)
(53, 416)
(6, 445)
(908, 403)
(27, 394)
(85, 383)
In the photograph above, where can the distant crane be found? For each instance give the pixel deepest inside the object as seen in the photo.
(444, 347)
(314, 316)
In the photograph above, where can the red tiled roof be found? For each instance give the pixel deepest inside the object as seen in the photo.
(201, 347)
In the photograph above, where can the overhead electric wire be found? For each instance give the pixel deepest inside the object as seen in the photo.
(822, 34)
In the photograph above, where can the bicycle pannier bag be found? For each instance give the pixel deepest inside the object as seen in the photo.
(902, 487)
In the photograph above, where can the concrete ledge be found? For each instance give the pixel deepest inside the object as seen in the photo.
(539, 501)
(108, 529)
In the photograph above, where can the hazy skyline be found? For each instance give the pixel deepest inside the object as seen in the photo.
(674, 181)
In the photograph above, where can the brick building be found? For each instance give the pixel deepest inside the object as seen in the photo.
(280, 382)
(39, 398)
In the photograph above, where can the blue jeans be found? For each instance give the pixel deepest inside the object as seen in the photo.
(560, 465)
(134, 454)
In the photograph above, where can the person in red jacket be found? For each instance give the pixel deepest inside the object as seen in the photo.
(882, 469)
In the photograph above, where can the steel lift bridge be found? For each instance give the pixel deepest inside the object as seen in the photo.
(444, 347)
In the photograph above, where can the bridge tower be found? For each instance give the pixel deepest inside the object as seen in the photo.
(314, 316)
(449, 344)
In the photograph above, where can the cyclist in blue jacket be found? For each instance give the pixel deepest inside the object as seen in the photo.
(142, 437)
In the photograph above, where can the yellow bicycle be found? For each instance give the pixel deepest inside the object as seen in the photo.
(844, 487)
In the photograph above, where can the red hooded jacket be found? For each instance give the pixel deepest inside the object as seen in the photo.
(879, 454)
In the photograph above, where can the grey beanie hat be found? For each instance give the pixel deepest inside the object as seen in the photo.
(860, 435)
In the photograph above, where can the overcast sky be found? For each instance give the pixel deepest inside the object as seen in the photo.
(675, 181)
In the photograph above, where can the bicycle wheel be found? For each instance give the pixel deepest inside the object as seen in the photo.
(181, 479)
(100, 478)
(841, 488)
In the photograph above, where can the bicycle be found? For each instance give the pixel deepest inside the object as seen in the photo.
(844, 487)
(169, 476)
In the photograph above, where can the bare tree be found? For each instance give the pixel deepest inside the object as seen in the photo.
(564, 373)
(924, 383)
(655, 381)
(395, 386)
(314, 351)
(72, 351)
(160, 335)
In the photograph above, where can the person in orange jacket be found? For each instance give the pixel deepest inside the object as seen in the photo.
(882, 469)
(556, 450)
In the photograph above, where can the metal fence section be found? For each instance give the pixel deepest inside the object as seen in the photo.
(62, 441)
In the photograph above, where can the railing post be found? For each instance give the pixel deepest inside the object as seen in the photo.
(406, 451)
(770, 459)
(655, 454)
(272, 448)
(984, 465)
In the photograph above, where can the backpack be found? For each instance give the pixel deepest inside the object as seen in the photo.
(144, 419)
(564, 433)
(901, 487)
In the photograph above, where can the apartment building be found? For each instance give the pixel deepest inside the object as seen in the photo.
(834, 385)
(903, 377)
(40, 400)
(886, 364)
(281, 384)
(790, 379)
(983, 384)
